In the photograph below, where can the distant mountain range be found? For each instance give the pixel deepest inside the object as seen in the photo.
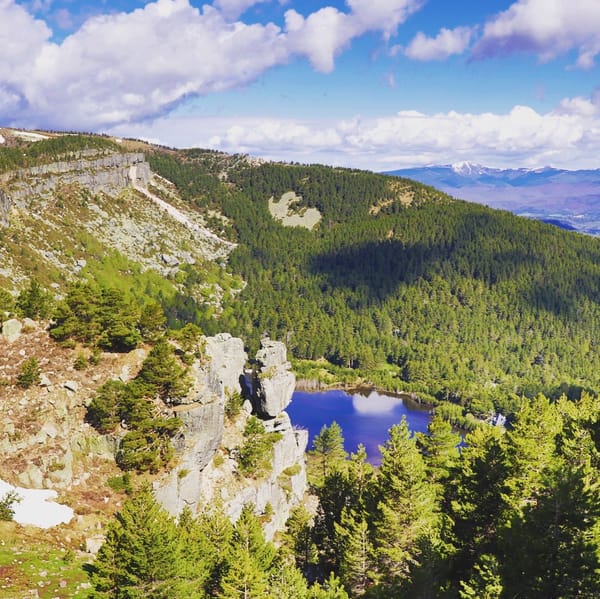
(567, 199)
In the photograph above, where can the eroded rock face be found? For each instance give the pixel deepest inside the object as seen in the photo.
(109, 173)
(274, 383)
(201, 480)
(4, 209)
(202, 413)
(227, 359)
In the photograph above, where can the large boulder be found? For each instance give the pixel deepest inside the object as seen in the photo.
(11, 329)
(274, 383)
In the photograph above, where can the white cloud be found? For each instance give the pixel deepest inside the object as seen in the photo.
(446, 43)
(578, 106)
(520, 137)
(548, 28)
(325, 33)
(126, 67)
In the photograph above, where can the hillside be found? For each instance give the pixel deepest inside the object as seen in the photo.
(125, 267)
(422, 291)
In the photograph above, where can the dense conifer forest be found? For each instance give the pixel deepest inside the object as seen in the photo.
(446, 298)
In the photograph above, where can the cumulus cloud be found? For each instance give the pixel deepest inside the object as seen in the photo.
(548, 28)
(126, 67)
(520, 137)
(129, 66)
(446, 43)
(325, 33)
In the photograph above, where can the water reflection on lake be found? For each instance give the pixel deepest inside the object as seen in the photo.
(364, 418)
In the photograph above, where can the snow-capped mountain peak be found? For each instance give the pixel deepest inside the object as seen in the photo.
(468, 168)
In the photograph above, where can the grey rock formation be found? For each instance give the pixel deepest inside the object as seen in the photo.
(11, 329)
(109, 173)
(274, 384)
(227, 361)
(199, 479)
(284, 487)
(4, 208)
(203, 414)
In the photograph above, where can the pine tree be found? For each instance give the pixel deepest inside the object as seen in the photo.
(162, 373)
(439, 448)
(406, 511)
(476, 499)
(355, 551)
(34, 302)
(140, 556)
(553, 546)
(328, 450)
(250, 560)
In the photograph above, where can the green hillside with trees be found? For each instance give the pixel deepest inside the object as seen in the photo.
(419, 291)
(513, 514)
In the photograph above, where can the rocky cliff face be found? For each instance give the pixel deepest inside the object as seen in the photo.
(45, 442)
(4, 208)
(110, 173)
(207, 471)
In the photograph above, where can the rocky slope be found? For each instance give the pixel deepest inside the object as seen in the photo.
(46, 443)
(79, 209)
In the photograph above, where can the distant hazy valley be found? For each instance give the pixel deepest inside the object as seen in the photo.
(567, 199)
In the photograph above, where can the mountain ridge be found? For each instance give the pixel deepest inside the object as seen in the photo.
(567, 198)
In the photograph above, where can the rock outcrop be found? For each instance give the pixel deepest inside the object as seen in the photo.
(109, 173)
(274, 383)
(4, 208)
(11, 329)
(207, 469)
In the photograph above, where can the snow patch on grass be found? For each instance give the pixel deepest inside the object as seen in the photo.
(36, 507)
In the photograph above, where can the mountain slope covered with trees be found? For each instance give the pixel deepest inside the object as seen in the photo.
(453, 300)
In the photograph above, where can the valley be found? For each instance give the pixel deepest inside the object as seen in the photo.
(158, 307)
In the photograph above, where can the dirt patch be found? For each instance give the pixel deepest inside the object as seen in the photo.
(289, 215)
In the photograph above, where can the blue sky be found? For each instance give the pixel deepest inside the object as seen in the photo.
(377, 84)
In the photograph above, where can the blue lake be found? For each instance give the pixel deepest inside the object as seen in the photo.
(364, 419)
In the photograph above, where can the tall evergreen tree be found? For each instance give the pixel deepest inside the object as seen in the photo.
(250, 560)
(406, 511)
(356, 559)
(328, 451)
(140, 556)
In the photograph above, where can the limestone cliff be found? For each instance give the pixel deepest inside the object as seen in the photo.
(109, 173)
(207, 471)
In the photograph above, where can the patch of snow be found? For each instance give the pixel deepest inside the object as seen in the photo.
(36, 507)
(28, 135)
(2, 140)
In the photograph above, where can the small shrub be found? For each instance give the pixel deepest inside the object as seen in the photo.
(95, 356)
(233, 405)
(257, 452)
(120, 484)
(81, 362)
(218, 459)
(29, 373)
(7, 502)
